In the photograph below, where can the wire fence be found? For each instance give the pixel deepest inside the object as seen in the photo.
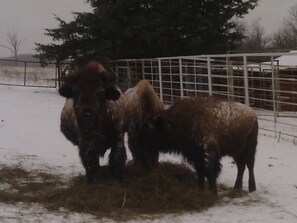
(265, 81)
(27, 73)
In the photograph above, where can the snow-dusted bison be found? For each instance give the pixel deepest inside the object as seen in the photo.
(143, 104)
(93, 117)
(205, 129)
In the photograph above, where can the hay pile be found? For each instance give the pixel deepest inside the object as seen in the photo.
(169, 188)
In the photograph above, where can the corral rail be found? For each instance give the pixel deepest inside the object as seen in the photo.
(265, 81)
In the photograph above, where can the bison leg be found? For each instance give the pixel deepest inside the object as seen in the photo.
(199, 167)
(251, 161)
(137, 160)
(251, 158)
(144, 156)
(240, 162)
(196, 157)
(212, 164)
(90, 161)
(206, 165)
(117, 159)
(252, 183)
(92, 167)
(212, 169)
(247, 158)
(251, 150)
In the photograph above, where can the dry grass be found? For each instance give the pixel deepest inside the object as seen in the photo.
(169, 188)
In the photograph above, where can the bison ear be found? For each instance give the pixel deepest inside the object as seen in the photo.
(112, 93)
(66, 91)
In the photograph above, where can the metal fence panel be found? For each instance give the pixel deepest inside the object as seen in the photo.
(27, 73)
(265, 81)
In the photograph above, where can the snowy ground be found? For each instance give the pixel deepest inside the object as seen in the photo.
(30, 138)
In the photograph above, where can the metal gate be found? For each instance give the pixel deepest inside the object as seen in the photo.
(265, 81)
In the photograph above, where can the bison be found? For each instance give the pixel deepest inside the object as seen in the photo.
(203, 130)
(143, 104)
(93, 117)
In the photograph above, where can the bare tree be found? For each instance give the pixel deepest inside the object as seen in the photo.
(13, 43)
(291, 19)
(286, 37)
(255, 39)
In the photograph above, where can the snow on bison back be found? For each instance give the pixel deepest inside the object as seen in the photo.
(205, 129)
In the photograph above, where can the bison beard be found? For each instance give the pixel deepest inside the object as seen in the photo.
(92, 118)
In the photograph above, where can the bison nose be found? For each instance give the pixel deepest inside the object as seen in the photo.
(87, 113)
(87, 120)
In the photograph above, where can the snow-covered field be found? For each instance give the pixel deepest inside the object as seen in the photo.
(30, 138)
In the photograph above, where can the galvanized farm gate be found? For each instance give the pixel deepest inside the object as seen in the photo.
(28, 73)
(265, 81)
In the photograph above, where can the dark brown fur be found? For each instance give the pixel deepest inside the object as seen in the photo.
(93, 117)
(143, 104)
(205, 129)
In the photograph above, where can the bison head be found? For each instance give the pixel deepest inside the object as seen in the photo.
(90, 88)
(152, 139)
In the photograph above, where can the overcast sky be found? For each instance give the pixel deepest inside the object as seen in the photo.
(29, 18)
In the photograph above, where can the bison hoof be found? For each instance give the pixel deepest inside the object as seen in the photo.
(117, 174)
(252, 189)
(90, 178)
(214, 190)
(91, 173)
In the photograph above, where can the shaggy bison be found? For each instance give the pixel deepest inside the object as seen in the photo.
(93, 117)
(143, 104)
(205, 129)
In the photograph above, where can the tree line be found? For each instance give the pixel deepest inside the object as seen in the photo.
(285, 38)
(117, 29)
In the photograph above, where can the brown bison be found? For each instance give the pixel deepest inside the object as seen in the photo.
(205, 129)
(143, 104)
(93, 117)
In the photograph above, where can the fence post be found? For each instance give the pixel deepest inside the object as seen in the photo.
(273, 93)
(56, 78)
(142, 69)
(160, 79)
(117, 71)
(25, 73)
(181, 78)
(246, 81)
(230, 79)
(129, 78)
(209, 76)
(195, 78)
(277, 88)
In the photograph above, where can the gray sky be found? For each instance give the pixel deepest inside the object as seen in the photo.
(29, 18)
(271, 12)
